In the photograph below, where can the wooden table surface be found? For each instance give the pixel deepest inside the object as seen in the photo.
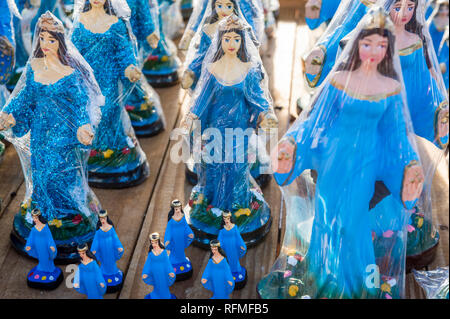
(141, 210)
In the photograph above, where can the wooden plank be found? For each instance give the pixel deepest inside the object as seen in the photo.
(11, 177)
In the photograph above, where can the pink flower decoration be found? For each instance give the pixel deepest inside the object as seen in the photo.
(129, 107)
(388, 296)
(152, 58)
(388, 234)
(77, 219)
(298, 257)
(287, 273)
(93, 153)
(191, 202)
(209, 208)
(36, 277)
(411, 228)
(126, 151)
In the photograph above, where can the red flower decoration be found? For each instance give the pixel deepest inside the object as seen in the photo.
(77, 219)
(129, 107)
(255, 205)
(191, 202)
(93, 153)
(126, 150)
(152, 58)
(209, 208)
(31, 274)
(298, 257)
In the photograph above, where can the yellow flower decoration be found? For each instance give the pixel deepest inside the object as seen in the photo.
(420, 222)
(293, 290)
(56, 222)
(44, 278)
(243, 211)
(386, 288)
(144, 107)
(181, 268)
(108, 153)
(165, 58)
(109, 280)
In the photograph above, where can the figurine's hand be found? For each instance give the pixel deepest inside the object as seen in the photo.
(28, 248)
(191, 235)
(172, 274)
(314, 61)
(153, 40)
(76, 286)
(443, 67)
(204, 281)
(412, 184)
(120, 249)
(282, 157)
(312, 9)
(230, 283)
(187, 80)
(267, 120)
(187, 122)
(85, 134)
(132, 73)
(94, 252)
(144, 276)
(186, 40)
(168, 252)
(52, 248)
(6, 121)
(102, 285)
(242, 247)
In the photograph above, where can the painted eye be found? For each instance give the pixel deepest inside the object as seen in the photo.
(219, 6)
(52, 41)
(237, 40)
(411, 9)
(365, 45)
(230, 7)
(227, 40)
(397, 9)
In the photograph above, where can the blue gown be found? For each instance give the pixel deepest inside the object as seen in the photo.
(443, 60)
(158, 268)
(89, 277)
(218, 276)
(177, 233)
(436, 35)
(228, 185)
(231, 242)
(329, 42)
(105, 245)
(357, 141)
(327, 12)
(52, 115)
(117, 159)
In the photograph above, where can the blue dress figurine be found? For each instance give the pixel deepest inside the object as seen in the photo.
(161, 66)
(40, 245)
(319, 62)
(158, 271)
(320, 11)
(53, 115)
(240, 102)
(232, 243)
(88, 279)
(437, 23)
(443, 58)
(142, 102)
(217, 276)
(356, 133)
(116, 159)
(108, 249)
(177, 237)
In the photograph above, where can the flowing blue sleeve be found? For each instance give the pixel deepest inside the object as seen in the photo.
(78, 99)
(141, 19)
(205, 95)
(30, 243)
(96, 245)
(240, 242)
(204, 6)
(256, 98)
(207, 274)
(77, 281)
(169, 269)
(229, 277)
(220, 236)
(168, 236)
(124, 48)
(196, 65)
(99, 279)
(147, 271)
(327, 12)
(117, 245)
(51, 242)
(21, 106)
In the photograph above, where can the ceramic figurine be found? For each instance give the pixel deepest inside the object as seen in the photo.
(217, 276)
(232, 243)
(320, 11)
(108, 249)
(102, 35)
(231, 95)
(335, 250)
(158, 271)
(177, 237)
(443, 58)
(88, 279)
(173, 24)
(51, 119)
(40, 245)
(437, 23)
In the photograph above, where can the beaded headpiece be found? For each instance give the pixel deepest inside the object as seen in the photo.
(49, 22)
(154, 236)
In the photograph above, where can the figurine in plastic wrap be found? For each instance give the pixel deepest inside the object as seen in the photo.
(102, 35)
(437, 23)
(40, 245)
(217, 276)
(232, 95)
(443, 58)
(161, 65)
(232, 243)
(158, 271)
(320, 11)
(187, 6)
(177, 237)
(51, 118)
(331, 244)
(108, 249)
(173, 24)
(88, 279)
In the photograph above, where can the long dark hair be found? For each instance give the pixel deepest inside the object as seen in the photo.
(159, 244)
(88, 252)
(62, 48)
(172, 212)
(42, 219)
(222, 222)
(107, 6)
(221, 251)
(214, 17)
(242, 53)
(386, 67)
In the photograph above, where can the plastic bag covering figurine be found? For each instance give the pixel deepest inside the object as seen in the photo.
(103, 36)
(40, 245)
(269, 16)
(88, 278)
(177, 237)
(187, 6)
(443, 57)
(438, 22)
(331, 248)
(173, 24)
(434, 282)
(230, 101)
(108, 249)
(217, 276)
(320, 11)
(428, 107)
(320, 60)
(51, 118)
(429, 7)
(141, 100)
(232, 243)
(162, 64)
(158, 271)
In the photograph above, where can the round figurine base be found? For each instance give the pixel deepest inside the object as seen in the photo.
(120, 180)
(183, 271)
(44, 280)
(149, 296)
(184, 276)
(239, 284)
(149, 130)
(114, 282)
(162, 80)
(422, 260)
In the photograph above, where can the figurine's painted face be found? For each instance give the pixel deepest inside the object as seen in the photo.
(402, 12)
(48, 43)
(215, 250)
(372, 49)
(227, 220)
(97, 3)
(224, 8)
(103, 220)
(36, 220)
(231, 42)
(82, 254)
(155, 244)
(443, 11)
(178, 210)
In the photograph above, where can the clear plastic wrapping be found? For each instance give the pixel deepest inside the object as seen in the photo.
(434, 282)
(357, 132)
(320, 11)
(51, 118)
(437, 22)
(173, 20)
(443, 57)
(116, 158)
